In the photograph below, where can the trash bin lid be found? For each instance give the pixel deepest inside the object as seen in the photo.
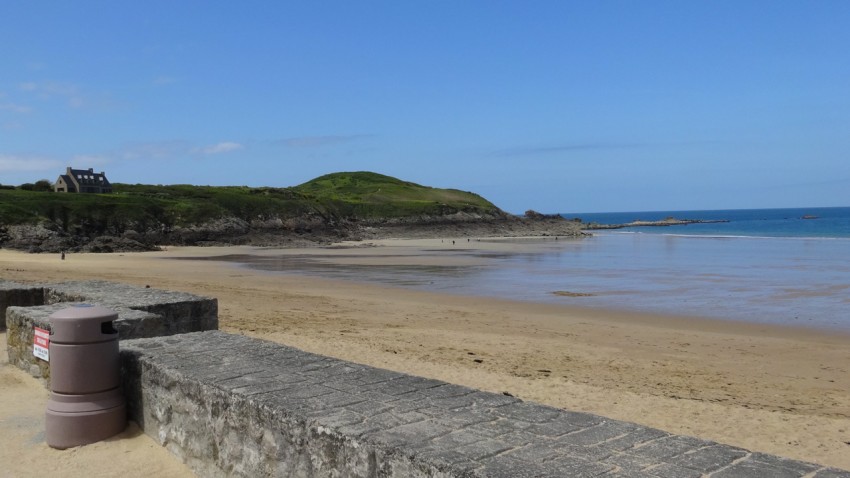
(82, 324)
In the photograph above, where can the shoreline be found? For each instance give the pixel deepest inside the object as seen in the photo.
(588, 274)
(613, 314)
(771, 388)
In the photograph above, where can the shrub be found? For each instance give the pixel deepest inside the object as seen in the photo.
(43, 185)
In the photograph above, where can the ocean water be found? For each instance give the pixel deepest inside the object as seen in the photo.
(764, 266)
(830, 222)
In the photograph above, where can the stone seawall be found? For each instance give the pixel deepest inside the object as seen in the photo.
(228, 405)
(14, 294)
(142, 312)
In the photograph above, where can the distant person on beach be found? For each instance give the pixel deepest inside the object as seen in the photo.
(63, 255)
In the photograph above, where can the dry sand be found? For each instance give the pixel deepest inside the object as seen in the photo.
(23, 452)
(773, 389)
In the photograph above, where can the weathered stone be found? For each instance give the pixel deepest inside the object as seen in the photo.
(710, 458)
(667, 470)
(752, 469)
(665, 448)
(832, 473)
(14, 294)
(243, 414)
(142, 312)
(603, 432)
(577, 467)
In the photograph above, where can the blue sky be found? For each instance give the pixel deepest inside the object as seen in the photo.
(561, 106)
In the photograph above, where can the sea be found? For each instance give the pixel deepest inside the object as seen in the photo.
(767, 266)
(823, 222)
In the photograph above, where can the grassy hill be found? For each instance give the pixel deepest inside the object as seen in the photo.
(368, 195)
(352, 196)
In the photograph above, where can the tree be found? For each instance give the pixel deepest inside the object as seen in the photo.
(43, 185)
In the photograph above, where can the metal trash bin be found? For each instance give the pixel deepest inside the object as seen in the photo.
(86, 404)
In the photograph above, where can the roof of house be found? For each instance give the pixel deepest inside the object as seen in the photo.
(87, 177)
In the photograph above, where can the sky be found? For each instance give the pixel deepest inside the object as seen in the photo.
(557, 106)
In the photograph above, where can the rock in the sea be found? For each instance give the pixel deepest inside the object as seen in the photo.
(566, 293)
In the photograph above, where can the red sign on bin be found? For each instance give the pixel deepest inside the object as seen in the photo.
(41, 343)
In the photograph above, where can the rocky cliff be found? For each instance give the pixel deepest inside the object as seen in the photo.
(280, 232)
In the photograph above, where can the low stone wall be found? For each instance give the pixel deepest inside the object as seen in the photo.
(14, 294)
(142, 312)
(229, 405)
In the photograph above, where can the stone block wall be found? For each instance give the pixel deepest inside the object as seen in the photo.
(14, 294)
(228, 405)
(142, 312)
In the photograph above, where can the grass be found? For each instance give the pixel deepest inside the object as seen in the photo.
(366, 194)
(356, 195)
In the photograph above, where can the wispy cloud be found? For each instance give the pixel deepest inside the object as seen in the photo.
(574, 147)
(154, 149)
(15, 108)
(173, 149)
(11, 163)
(90, 160)
(164, 80)
(47, 90)
(224, 147)
(564, 148)
(319, 141)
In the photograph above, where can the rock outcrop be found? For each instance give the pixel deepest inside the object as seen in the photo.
(294, 231)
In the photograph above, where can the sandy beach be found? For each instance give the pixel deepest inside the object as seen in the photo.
(773, 389)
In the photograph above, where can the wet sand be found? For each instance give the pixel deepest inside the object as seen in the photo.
(774, 389)
(796, 282)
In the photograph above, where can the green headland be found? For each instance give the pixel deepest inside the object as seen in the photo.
(331, 207)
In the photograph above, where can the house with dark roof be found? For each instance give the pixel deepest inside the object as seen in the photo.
(82, 181)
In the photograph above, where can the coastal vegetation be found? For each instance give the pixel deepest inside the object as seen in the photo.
(338, 195)
(139, 216)
(372, 195)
